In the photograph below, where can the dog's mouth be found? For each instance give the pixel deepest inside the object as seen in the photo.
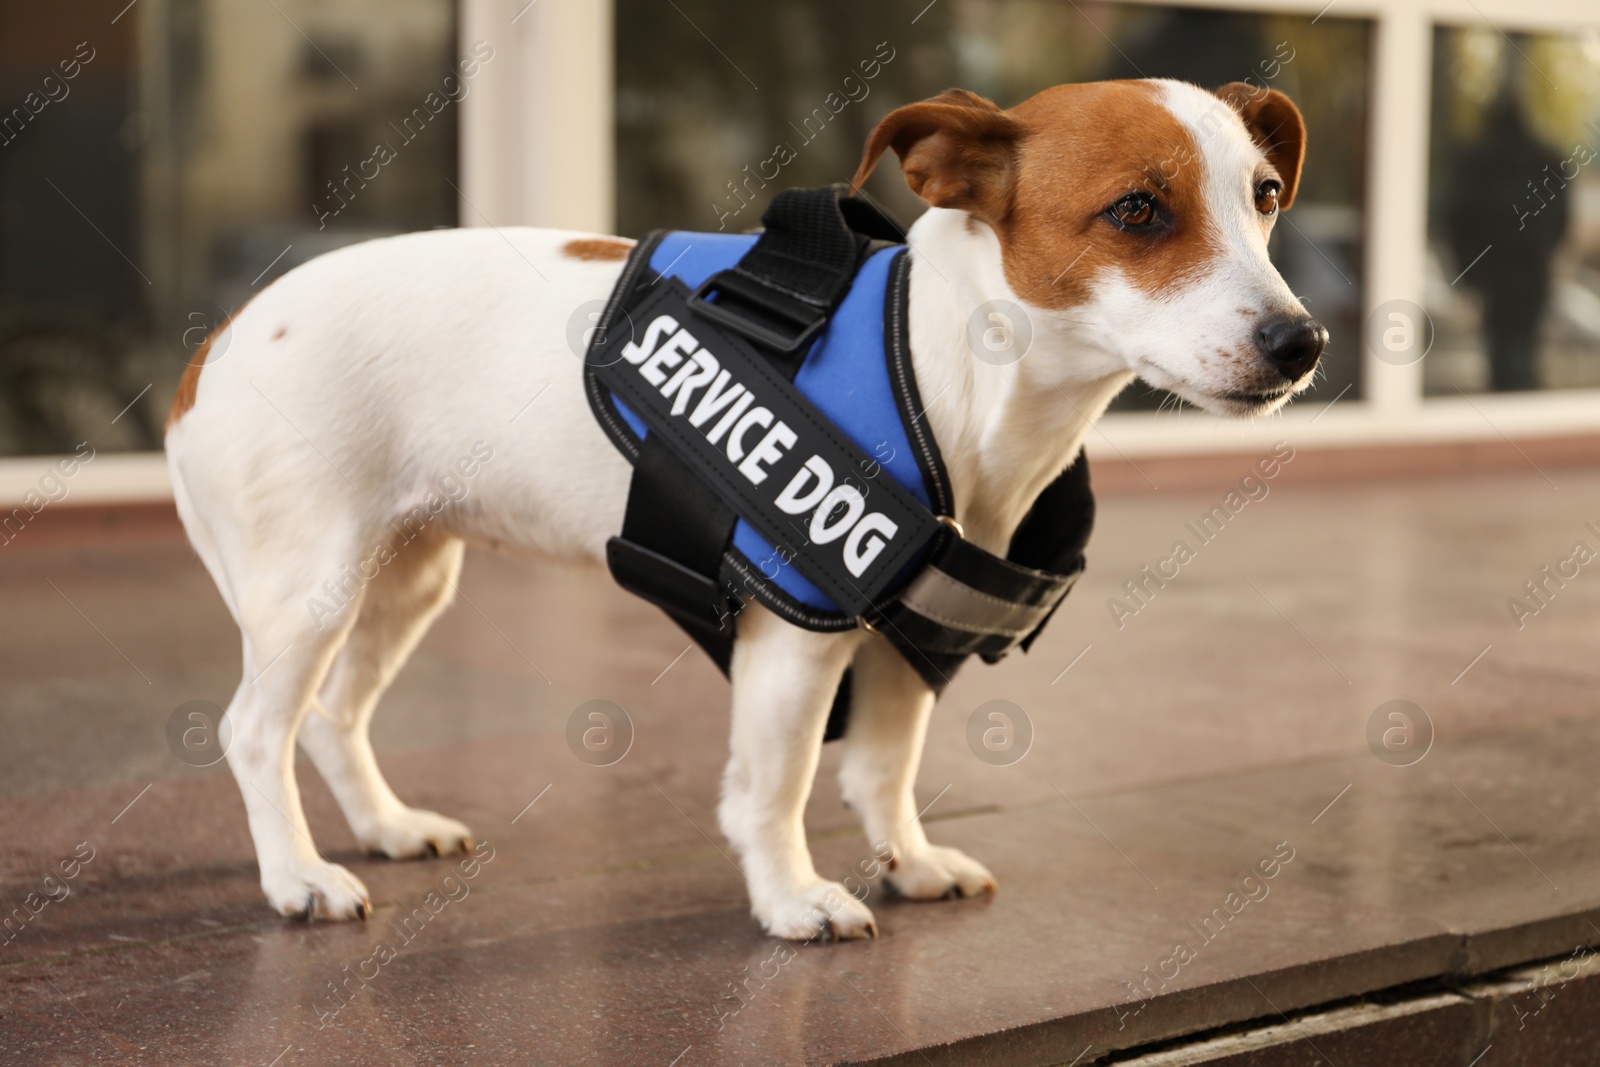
(1263, 399)
(1238, 403)
(1249, 403)
(1257, 399)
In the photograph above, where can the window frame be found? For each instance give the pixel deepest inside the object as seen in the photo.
(1393, 409)
(537, 149)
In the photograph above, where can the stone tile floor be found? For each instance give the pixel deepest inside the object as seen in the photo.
(1226, 722)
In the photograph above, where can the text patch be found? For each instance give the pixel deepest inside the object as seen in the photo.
(748, 433)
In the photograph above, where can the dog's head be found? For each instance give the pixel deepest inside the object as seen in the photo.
(1135, 214)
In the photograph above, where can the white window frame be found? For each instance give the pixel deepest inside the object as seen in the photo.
(537, 149)
(565, 84)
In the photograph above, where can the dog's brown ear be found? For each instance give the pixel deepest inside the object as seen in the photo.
(956, 150)
(1275, 123)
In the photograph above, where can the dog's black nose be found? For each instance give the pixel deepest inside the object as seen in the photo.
(1293, 345)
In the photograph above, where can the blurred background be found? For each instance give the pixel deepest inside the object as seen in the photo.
(195, 144)
(158, 170)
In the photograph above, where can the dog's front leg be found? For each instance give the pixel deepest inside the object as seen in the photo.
(784, 680)
(889, 710)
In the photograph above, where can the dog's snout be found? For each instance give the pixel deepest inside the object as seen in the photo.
(1293, 344)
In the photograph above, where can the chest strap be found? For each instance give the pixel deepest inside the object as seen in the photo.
(710, 374)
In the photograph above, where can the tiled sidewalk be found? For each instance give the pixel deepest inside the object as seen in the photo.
(1225, 724)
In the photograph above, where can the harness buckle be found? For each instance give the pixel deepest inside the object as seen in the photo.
(755, 310)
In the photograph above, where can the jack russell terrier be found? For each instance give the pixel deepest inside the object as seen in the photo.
(1129, 219)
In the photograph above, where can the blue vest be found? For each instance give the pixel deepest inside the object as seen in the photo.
(849, 374)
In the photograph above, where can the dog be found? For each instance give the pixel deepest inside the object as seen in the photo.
(1129, 222)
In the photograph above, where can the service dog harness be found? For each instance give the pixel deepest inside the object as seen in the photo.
(761, 386)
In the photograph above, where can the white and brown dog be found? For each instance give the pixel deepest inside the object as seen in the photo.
(1129, 219)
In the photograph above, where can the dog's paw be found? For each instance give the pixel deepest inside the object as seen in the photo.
(412, 833)
(317, 891)
(821, 910)
(938, 873)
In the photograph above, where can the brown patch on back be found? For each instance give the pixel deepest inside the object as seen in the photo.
(597, 249)
(277, 335)
(189, 384)
(1043, 174)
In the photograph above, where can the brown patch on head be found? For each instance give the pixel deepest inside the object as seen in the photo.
(277, 335)
(1044, 173)
(1274, 124)
(189, 383)
(596, 249)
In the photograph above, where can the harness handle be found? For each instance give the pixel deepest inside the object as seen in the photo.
(753, 309)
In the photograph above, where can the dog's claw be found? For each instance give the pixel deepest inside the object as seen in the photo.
(831, 933)
(416, 834)
(818, 913)
(322, 891)
(938, 873)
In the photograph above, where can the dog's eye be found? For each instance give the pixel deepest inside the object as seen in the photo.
(1133, 211)
(1267, 194)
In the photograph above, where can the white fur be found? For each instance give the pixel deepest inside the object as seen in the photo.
(397, 355)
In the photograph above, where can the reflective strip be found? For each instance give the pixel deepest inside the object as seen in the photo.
(937, 596)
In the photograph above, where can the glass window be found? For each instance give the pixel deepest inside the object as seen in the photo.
(709, 98)
(1513, 284)
(162, 162)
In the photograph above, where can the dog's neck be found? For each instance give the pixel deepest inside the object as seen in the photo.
(1006, 430)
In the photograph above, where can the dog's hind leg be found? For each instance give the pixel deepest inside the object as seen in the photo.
(397, 606)
(784, 679)
(286, 657)
(889, 711)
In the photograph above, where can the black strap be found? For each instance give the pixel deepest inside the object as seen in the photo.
(1040, 569)
(674, 533)
(923, 630)
(1066, 504)
(779, 296)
